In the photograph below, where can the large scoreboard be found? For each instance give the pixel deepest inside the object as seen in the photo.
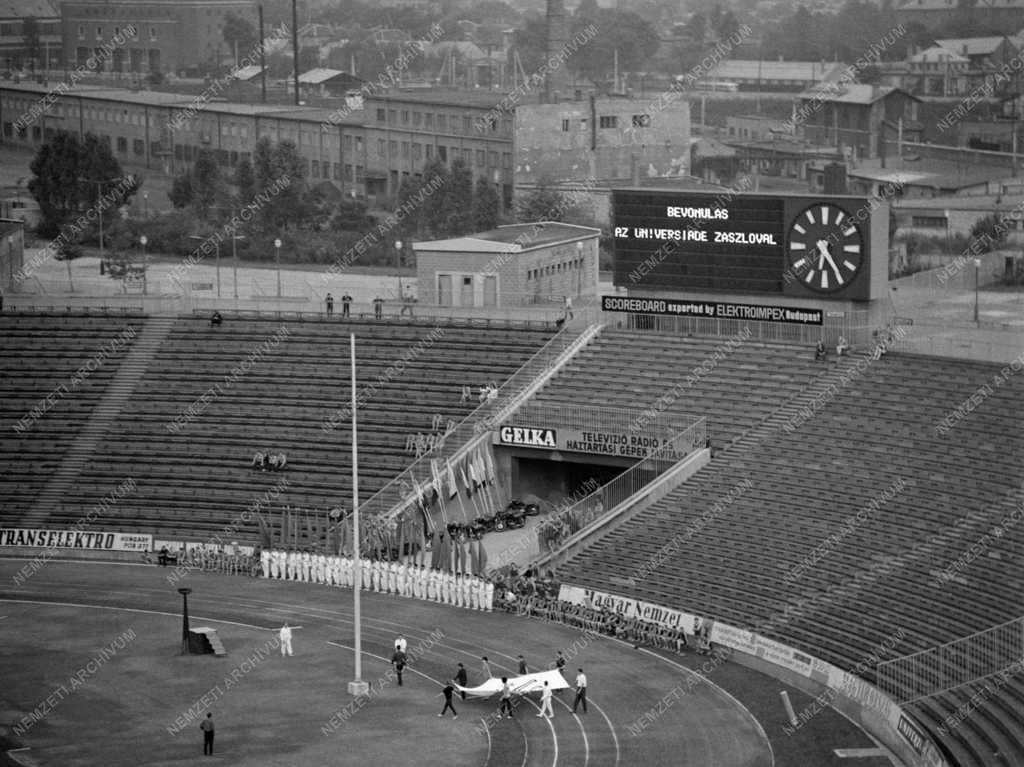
(782, 245)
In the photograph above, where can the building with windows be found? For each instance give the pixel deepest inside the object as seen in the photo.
(855, 118)
(365, 152)
(521, 264)
(408, 129)
(15, 54)
(146, 36)
(601, 138)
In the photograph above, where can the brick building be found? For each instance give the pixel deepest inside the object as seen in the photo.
(366, 152)
(852, 117)
(601, 138)
(13, 52)
(509, 266)
(159, 35)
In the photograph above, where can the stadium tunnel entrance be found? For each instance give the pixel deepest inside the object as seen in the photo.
(558, 480)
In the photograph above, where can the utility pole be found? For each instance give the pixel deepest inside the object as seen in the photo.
(263, 62)
(295, 49)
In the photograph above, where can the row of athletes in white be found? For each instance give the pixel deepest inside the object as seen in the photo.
(407, 580)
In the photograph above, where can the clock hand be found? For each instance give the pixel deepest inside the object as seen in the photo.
(822, 253)
(832, 263)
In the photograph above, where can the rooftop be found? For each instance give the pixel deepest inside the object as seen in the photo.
(23, 9)
(851, 93)
(983, 202)
(514, 238)
(971, 46)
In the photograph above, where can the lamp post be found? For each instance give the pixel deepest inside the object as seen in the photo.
(145, 266)
(398, 254)
(977, 268)
(277, 246)
(184, 619)
(145, 203)
(234, 258)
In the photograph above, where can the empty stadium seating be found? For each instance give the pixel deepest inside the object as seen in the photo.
(248, 390)
(879, 435)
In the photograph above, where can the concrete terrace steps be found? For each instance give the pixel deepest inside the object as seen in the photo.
(100, 421)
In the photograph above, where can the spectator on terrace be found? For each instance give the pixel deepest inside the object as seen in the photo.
(842, 346)
(408, 299)
(820, 353)
(162, 556)
(257, 460)
(879, 345)
(216, 319)
(568, 307)
(378, 308)
(346, 302)
(329, 301)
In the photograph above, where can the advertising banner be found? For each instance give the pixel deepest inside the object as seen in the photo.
(75, 539)
(712, 310)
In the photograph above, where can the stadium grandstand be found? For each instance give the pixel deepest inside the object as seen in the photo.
(701, 510)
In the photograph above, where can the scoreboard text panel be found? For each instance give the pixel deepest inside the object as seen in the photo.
(719, 242)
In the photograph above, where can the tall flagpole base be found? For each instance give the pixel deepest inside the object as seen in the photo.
(357, 688)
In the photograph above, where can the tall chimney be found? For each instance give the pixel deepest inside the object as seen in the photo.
(556, 80)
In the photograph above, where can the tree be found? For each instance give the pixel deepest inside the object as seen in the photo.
(69, 176)
(207, 184)
(240, 35)
(991, 231)
(351, 216)
(457, 200)
(486, 205)
(280, 173)
(181, 190)
(244, 181)
(635, 39)
(542, 204)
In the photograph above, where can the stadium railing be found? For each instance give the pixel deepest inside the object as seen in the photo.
(628, 488)
(954, 664)
(481, 419)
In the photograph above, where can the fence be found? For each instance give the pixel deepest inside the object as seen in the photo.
(958, 275)
(482, 419)
(969, 659)
(965, 343)
(604, 502)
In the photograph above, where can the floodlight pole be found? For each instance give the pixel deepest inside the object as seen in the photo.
(357, 686)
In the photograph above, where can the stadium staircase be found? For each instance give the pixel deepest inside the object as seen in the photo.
(102, 419)
(753, 534)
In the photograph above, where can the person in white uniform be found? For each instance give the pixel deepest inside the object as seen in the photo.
(265, 562)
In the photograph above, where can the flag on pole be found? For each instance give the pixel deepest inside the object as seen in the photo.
(465, 481)
(453, 488)
(473, 473)
(492, 475)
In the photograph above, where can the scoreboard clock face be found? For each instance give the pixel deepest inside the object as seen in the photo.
(825, 248)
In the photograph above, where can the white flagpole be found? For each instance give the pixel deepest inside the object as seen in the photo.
(357, 686)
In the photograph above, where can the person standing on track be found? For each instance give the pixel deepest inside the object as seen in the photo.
(545, 702)
(486, 668)
(522, 666)
(286, 639)
(207, 727)
(447, 692)
(581, 691)
(462, 678)
(506, 698)
(398, 661)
